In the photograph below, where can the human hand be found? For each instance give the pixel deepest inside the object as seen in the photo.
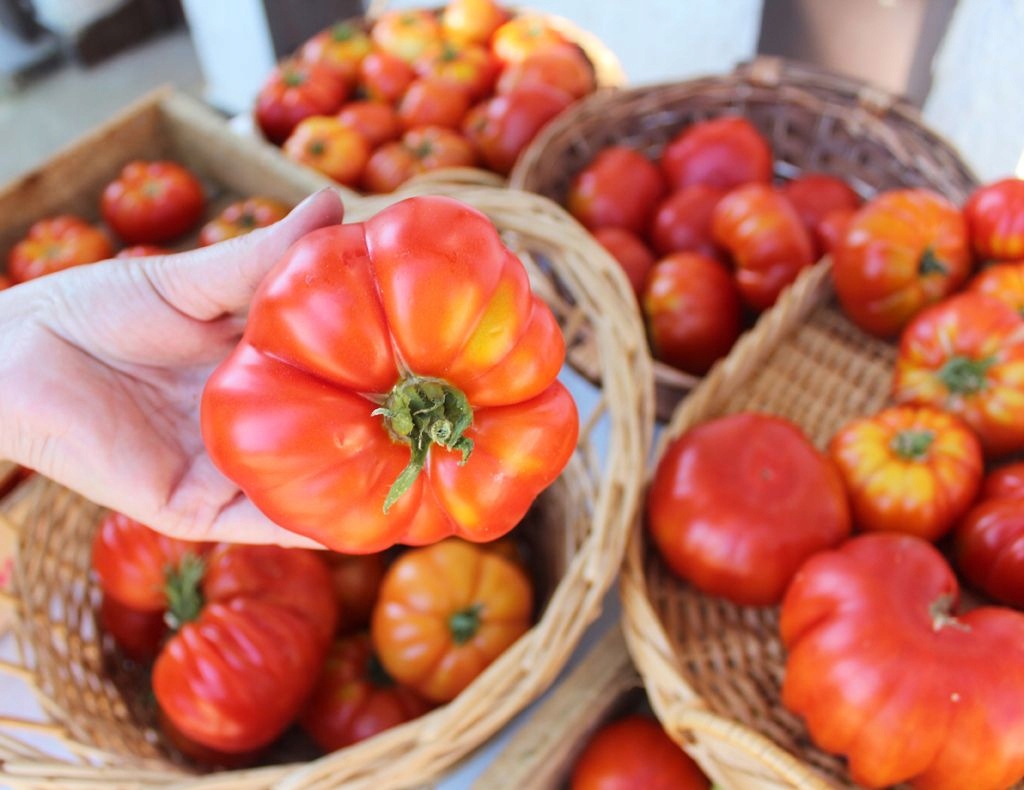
(102, 368)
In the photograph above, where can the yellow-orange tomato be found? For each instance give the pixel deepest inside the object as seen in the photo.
(1004, 281)
(433, 102)
(406, 33)
(419, 151)
(519, 38)
(445, 613)
(54, 244)
(472, 21)
(376, 121)
(241, 217)
(473, 68)
(563, 66)
(340, 48)
(908, 469)
(325, 143)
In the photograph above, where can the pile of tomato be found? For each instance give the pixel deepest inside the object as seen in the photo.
(468, 85)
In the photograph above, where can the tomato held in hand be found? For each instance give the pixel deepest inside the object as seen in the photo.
(995, 220)
(385, 77)
(815, 195)
(297, 90)
(693, 311)
(376, 121)
(472, 21)
(328, 145)
(903, 251)
(403, 381)
(419, 151)
(884, 673)
(433, 102)
(966, 356)
(682, 222)
(908, 469)
(738, 503)
(635, 752)
(1005, 282)
(54, 244)
(631, 253)
(340, 48)
(564, 67)
(723, 153)
(762, 232)
(241, 217)
(619, 189)
(356, 580)
(445, 613)
(355, 699)
(407, 33)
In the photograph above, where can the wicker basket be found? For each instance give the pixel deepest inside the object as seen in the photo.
(578, 530)
(815, 120)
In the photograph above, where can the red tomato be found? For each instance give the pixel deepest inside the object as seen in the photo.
(682, 223)
(635, 752)
(355, 698)
(54, 244)
(723, 153)
(815, 195)
(903, 251)
(620, 188)
(142, 251)
(908, 469)
(419, 151)
(377, 122)
(524, 35)
(995, 220)
(340, 48)
(562, 66)
(693, 311)
(832, 228)
(885, 674)
(5, 282)
(328, 145)
(406, 34)
(762, 232)
(241, 217)
(1005, 282)
(296, 90)
(966, 356)
(503, 126)
(153, 202)
(989, 549)
(433, 102)
(356, 581)
(316, 384)
(631, 253)
(1006, 481)
(472, 21)
(472, 68)
(385, 77)
(738, 503)
(138, 634)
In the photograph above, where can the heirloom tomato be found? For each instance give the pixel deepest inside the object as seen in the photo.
(763, 234)
(832, 228)
(419, 151)
(356, 579)
(908, 469)
(815, 195)
(966, 355)
(682, 222)
(1005, 282)
(445, 613)
(137, 633)
(433, 102)
(988, 548)
(385, 77)
(5, 282)
(472, 68)
(376, 121)
(403, 382)
(564, 67)
(631, 253)
(355, 699)
(240, 217)
(723, 153)
(1006, 481)
(153, 202)
(54, 244)
(738, 503)
(406, 33)
(141, 251)
(902, 251)
(519, 38)
(472, 21)
(883, 672)
(326, 144)
(620, 188)
(294, 91)
(340, 48)
(995, 220)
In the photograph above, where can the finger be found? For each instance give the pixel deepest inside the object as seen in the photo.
(241, 522)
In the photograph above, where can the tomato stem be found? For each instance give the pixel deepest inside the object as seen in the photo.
(912, 445)
(940, 612)
(965, 376)
(184, 597)
(343, 32)
(464, 624)
(931, 263)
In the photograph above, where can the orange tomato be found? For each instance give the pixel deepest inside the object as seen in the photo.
(519, 38)
(54, 244)
(472, 21)
(241, 217)
(406, 33)
(1004, 281)
(419, 151)
(376, 121)
(562, 66)
(385, 77)
(340, 48)
(328, 145)
(472, 68)
(433, 102)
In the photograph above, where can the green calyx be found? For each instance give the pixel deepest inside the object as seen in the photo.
(941, 613)
(965, 376)
(343, 32)
(182, 587)
(293, 79)
(912, 445)
(931, 264)
(422, 412)
(464, 624)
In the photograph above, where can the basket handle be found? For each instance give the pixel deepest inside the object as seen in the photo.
(770, 71)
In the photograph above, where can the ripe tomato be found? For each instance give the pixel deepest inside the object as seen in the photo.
(995, 220)
(354, 698)
(406, 33)
(356, 581)
(561, 66)
(815, 195)
(472, 68)
(385, 77)
(503, 126)
(1005, 282)
(762, 232)
(832, 228)
(903, 251)
(316, 384)
(908, 469)
(682, 222)
(738, 503)
(433, 102)
(341, 48)
(241, 217)
(620, 188)
(5, 282)
(1006, 481)
(328, 145)
(520, 37)
(472, 21)
(723, 153)
(138, 634)
(294, 91)
(142, 251)
(693, 311)
(631, 253)
(988, 548)
(153, 202)
(635, 752)
(885, 674)
(966, 356)
(54, 244)
(445, 613)
(377, 122)
(419, 151)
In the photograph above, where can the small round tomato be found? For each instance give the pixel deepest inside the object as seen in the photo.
(138, 634)
(406, 33)
(54, 244)
(1006, 481)
(682, 222)
(294, 91)
(356, 579)
(908, 469)
(564, 67)
(1004, 281)
(903, 250)
(472, 68)
(832, 228)
(693, 311)
(419, 151)
(737, 504)
(619, 188)
(433, 102)
(723, 152)
(153, 202)
(814, 195)
(520, 37)
(142, 251)
(355, 698)
(988, 549)
(445, 613)
(472, 21)
(377, 122)
(340, 48)
(631, 253)
(995, 220)
(635, 752)
(241, 217)
(385, 77)
(328, 145)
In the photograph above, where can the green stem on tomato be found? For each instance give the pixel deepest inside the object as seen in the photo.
(931, 263)
(912, 445)
(182, 587)
(965, 376)
(464, 624)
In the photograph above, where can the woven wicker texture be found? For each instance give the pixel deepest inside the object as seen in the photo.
(577, 531)
(815, 121)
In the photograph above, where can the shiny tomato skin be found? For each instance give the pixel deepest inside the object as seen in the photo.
(445, 613)
(470, 67)
(340, 48)
(241, 217)
(419, 151)
(902, 251)
(472, 21)
(765, 238)
(995, 220)
(722, 152)
(524, 35)
(1006, 481)
(406, 33)
(738, 503)
(908, 469)
(831, 229)
(634, 752)
(682, 221)
(5, 282)
(141, 251)
(1004, 281)
(356, 579)
(54, 244)
(294, 91)
(989, 549)
(433, 102)
(326, 144)
(153, 202)
(138, 634)
(693, 311)
(385, 77)
(564, 67)
(376, 121)
(635, 258)
(620, 188)
(815, 195)
(883, 673)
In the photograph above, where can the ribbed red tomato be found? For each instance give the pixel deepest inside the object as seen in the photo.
(815, 196)
(296, 90)
(722, 152)
(995, 220)
(1004, 281)
(54, 244)
(153, 202)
